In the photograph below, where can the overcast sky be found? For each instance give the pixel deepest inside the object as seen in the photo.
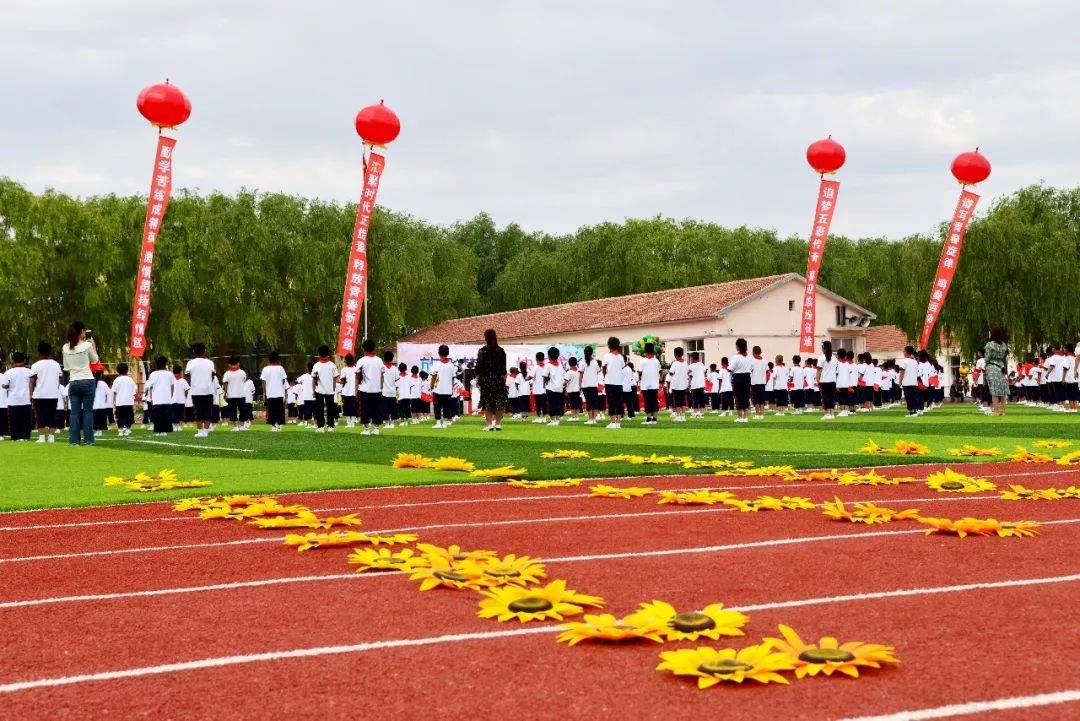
(555, 114)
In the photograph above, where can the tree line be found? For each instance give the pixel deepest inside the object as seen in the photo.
(252, 272)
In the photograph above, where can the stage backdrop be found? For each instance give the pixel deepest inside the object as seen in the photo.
(424, 355)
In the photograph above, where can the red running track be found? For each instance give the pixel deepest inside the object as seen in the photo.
(961, 645)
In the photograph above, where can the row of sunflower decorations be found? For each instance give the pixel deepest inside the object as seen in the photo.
(455, 464)
(164, 480)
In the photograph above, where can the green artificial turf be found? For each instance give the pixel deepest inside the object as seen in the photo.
(44, 475)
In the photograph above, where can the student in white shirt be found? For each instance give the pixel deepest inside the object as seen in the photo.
(160, 387)
(44, 390)
(909, 380)
(779, 378)
(201, 374)
(324, 374)
(828, 366)
(350, 408)
(292, 401)
(369, 385)
(796, 392)
(16, 382)
(742, 373)
(61, 409)
(758, 376)
(679, 375)
(573, 389)
(247, 410)
(712, 388)
(1071, 387)
(513, 397)
(181, 389)
(4, 430)
(590, 379)
(123, 395)
(524, 383)
(650, 384)
(554, 388)
(275, 383)
(727, 393)
(539, 387)
(926, 369)
(403, 387)
(389, 390)
(415, 391)
(697, 385)
(233, 380)
(612, 368)
(442, 388)
(629, 390)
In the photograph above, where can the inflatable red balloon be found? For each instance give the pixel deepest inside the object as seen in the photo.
(377, 124)
(971, 167)
(164, 105)
(826, 156)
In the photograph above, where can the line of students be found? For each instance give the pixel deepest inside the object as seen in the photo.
(1051, 380)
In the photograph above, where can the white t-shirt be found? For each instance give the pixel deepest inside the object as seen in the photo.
(523, 385)
(249, 391)
(348, 377)
(414, 387)
(307, 387)
(780, 375)
(798, 377)
(539, 378)
(123, 391)
(292, 394)
(61, 400)
(17, 380)
(201, 371)
(233, 380)
(369, 371)
(276, 380)
(725, 380)
(828, 368)
(511, 387)
(980, 371)
(403, 383)
(613, 363)
(910, 369)
(679, 373)
(1070, 369)
(325, 374)
(1057, 365)
(180, 390)
(47, 371)
(628, 379)
(444, 384)
(590, 374)
(760, 368)
(389, 381)
(714, 381)
(844, 375)
(886, 381)
(573, 380)
(740, 364)
(697, 375)
(650, 373)
(555, 377)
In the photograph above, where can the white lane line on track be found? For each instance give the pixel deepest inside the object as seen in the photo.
(455, 501)
(464, 482)
(222, 661)
(180, 445)
(973, 707)
(562, 559)
(464, 524)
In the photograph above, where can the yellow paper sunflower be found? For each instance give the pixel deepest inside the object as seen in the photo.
(307, 541)
(949, 481)
(829, 655)
(867, 513)
(657, 460)
(602, 491)
(565, 453)
(718, 464)
(1070, 492)
(872, 447)
(909, 448)
(787, 473)
(1069, 459)
(539, 603)
(383, 559)
(449, 574)
(412, 460)
(452, 463)
(163, 480)
(974, 451)
(1052, 444)
(821, 476)
(712, 665)
(560, 483)
(388, 539)
(620, 458)
(1022, 493)
(979, 527)
(713, 621)
(511, 570)
(605, 627)
(500, 472)
(871, 478)
(298, 520)
(1023, 455)
(701, 496)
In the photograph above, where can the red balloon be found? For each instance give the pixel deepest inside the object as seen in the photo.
(377, 124)
(826, 156)
(164, 105)
(971, 167)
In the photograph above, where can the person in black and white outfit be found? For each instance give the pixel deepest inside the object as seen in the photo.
(612, 367)
(590, 379)
(828, 366)
(742, 369)
(45, 385)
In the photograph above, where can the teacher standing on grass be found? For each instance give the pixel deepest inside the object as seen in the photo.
(79, 352)
(491, 379)
(997, 352)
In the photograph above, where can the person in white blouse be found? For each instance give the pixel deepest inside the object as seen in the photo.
(79, 353)
(741, 368)
(827, 368)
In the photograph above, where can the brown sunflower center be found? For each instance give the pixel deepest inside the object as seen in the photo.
(530, 604)
(449, 576)
(690, 622)
(953, 485)
(723, 667)
(460, 556)
(502, 572)
(826, 655)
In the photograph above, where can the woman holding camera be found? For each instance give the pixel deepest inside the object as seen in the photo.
(79, 352)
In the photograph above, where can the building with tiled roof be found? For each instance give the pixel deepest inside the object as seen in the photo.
(766, 311)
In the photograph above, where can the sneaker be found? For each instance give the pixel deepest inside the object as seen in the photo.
(374, 431)
(237, 429)
(320, 430)
(52, 439)
(552, 424)
(438, 424)
(613, 424)
(40, 439)
(589, 423)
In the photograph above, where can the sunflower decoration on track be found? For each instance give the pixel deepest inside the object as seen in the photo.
(1070, 492)
(1023, 455)
(785, 473)
(698, 497)
(867, 513)
(235, 501)
(1023, 493)
(383, 559)
(713, 621)
(164, 480)
(412, 460)
(538, 603)
(253, 510)
(305, 519)
(602, 491)
(949, 481)
(1069, 459)
(335, 539)
(980, 527)
(565, 453)
(559, 483)
(455, 554)
(452, 463)
(717, 464)
(712, 665)
(871, 478)
(899, 448)
(771, 503)
(1052, 444)
(822, 476)
(974, 451)
(512, 570)
(606, 627)
(500, 472)
(443, 572)
(829, 655)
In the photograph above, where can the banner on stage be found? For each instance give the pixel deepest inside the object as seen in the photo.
(156, 204)
(950, 259)
(819, 236)
(356, 273)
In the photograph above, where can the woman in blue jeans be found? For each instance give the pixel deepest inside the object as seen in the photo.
(79, 353)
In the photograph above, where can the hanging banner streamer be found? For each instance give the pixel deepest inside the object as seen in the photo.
(819, 235)
(156, 205)
(950, 258)
(352, 303)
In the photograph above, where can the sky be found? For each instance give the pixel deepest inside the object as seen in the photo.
(555, 114)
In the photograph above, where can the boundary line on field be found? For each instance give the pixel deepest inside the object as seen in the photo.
(223, 661)
(180, 445)
(972, 707)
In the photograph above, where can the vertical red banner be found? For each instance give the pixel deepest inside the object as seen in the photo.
(352, 302)
(156, 204)
(819, 236)
(950, 258)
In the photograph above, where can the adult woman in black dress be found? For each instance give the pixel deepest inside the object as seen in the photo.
(491, 378)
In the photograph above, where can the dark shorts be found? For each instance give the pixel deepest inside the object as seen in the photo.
(614, 400)
(592, 399)
(232, 408)
(202, 407)
(678, 399)
(555, 404)
(45, 410)
(740, 386)
(573, 400)
(828, 396)
(125, 416)
(757, 392)
(780, 398)
(349, 406)
(652, 401)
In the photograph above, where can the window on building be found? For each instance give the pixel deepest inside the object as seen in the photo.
(791, 305)
(841, 316)
(626, 350)
(696, 345)
(843, 344)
